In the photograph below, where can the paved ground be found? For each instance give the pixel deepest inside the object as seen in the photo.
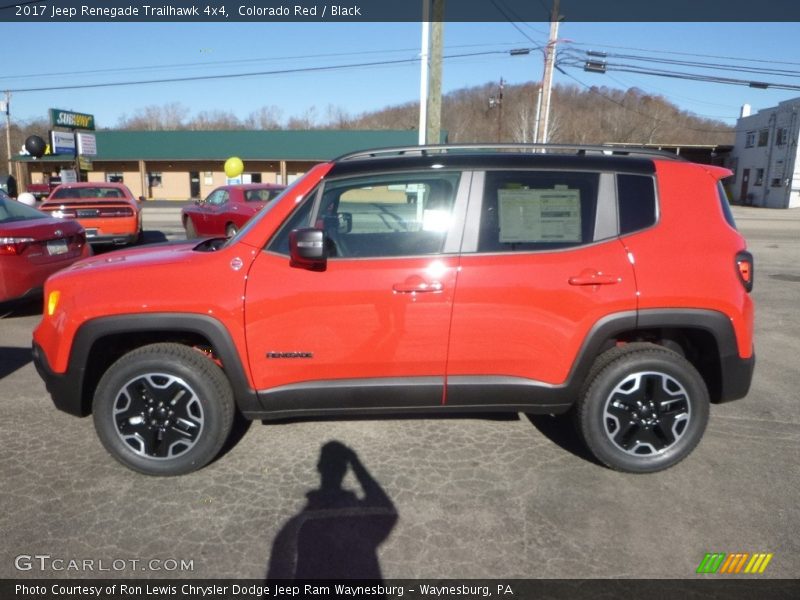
(473, 497)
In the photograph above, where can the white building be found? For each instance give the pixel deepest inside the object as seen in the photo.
(766, 169)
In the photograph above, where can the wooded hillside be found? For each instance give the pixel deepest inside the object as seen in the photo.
(578, 116)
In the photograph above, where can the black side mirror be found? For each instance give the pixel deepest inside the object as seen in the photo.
(307, 249)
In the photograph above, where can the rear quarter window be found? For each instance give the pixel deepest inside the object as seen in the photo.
(637, 202)
(726, 206)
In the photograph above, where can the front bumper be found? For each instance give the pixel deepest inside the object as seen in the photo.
(65, 389)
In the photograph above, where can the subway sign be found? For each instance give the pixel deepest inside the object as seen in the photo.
(71, 120)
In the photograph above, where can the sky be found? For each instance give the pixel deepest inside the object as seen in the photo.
(63, 54)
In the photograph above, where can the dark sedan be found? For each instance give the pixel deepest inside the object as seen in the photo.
(32, 247)
(227, 209)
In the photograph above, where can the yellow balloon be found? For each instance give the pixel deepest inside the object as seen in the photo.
(234, 167)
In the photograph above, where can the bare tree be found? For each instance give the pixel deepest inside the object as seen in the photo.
(20, 131)
(156, 118)
(266, 117)
(579, 115)
(215, 120)
(308, 120)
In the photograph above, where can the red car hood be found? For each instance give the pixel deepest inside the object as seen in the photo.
(160, 254)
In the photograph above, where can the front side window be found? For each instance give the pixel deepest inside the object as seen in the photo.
(541, 210)
(388, 215)
(217, 198)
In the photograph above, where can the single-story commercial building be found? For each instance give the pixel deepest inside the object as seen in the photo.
(177, 165)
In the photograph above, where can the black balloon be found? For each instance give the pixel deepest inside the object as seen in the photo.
(35, 146)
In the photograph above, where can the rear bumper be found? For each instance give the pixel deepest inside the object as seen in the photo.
(65, 389)
(737, 374)
(115, 239)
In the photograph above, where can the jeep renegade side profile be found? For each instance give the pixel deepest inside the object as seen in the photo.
(612, 284)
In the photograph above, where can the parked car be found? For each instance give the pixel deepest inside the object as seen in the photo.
(611, 284)
(225, 210)
(108, 211)
(41, 191)
(33, 246)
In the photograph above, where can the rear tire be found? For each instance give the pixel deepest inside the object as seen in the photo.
(644, 408)
(163, 409)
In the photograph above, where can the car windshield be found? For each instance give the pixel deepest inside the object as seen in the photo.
(11, 210)
(71, 193)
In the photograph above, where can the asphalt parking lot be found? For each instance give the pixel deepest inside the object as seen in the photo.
(461, 497)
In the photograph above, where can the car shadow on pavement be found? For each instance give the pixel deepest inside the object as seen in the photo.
(560, 429)
(337, 533)
(238, 430)
(152, 237)
(21, 308)
(13, 359)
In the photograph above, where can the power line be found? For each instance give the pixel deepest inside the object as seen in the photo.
(692, 64)
(694, 54)
(514, 18)
(212, 64)
(704, 77)
(669, 95)
(594, 90)
(252, 74)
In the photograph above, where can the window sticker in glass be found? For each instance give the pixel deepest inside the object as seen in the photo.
(539, 215)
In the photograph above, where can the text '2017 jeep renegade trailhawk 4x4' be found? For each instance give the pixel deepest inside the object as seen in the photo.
(423, 280)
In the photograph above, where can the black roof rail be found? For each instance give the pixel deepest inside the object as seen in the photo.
(579, 149)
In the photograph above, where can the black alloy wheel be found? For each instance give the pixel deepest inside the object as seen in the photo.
(643, 409)
(163, 409)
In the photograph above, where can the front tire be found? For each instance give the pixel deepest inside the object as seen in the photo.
(191, 232)
(644, 410)
(163, 409)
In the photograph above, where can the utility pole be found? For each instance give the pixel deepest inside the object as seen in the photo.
(497, 102)
(547, 76)
(423, 72)
(434, 125)
(430, 86)
(7, 109)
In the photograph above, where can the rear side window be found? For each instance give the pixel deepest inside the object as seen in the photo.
(637, 202)
(539, 210)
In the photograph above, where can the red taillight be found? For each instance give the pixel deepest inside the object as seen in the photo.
(115, 212)
(59, 212)
(744, 267)
(14, 245)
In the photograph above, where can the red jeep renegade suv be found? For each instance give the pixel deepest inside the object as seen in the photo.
(612, 283)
